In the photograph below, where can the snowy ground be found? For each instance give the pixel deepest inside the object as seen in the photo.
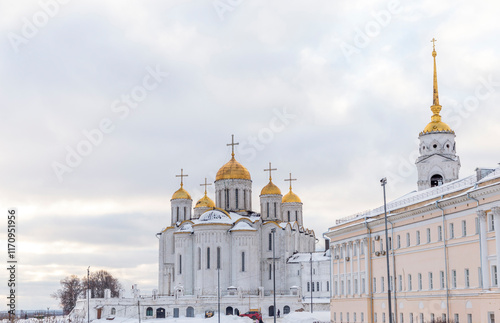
(296, 317)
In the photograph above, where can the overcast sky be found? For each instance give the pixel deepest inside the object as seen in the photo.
(335, 92)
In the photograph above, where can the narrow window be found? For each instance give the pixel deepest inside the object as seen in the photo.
(327, 286)
(227, 199)
(411, 317)
(440, 233)
(361, 248)
(244, 199)
(199, 258)
(237, 198)
(270, 241)
(494, 275)
(208, 257)
(469, 318)
(312, 286)
(467, 281)
(431, 283)
(243, 261)
(374, 285)
(180, 264)
(317, 286)
(441, 279)
(275, 209)
(390, 243)
(177, 218)
(398, 241)
(400, 278)
(382, 284)
(218, 257)
(271, 273)
(477, 225)
(408, 239)
(409, 282)
(418, 237)
(464, 228)
(419, 281)
(185, 213)
(428, 235)
(267, 209)
(454, 278)
(452, 231)
(363, 286)
(355, 286)
(492, 222)
(456, 318)
(288, 216)
(296, 215)
(308, 286)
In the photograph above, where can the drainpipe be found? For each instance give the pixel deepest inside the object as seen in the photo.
(331, 265)
(393, 273)
(480, 246)
(445, 260)
(368, 257)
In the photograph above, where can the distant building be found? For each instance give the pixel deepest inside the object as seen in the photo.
(444, 244)
(224, 243)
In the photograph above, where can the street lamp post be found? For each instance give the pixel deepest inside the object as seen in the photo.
(88, 294)
(273, 230)
(311, 261)
(383, 181)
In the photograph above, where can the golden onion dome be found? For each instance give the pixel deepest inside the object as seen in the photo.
(270, 189)
(291, 197)
(181, 193)
(434, 126)
(232, 170)
(205, 201)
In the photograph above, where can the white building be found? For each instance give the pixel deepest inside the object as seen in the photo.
(227, 244)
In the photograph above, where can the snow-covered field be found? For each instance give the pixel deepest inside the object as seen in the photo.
(296, 317)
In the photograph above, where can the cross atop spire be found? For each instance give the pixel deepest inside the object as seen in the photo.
(206, 184)
(181, 176)
(232, 144)
(290, 180)
(270, 169)
(433, 41)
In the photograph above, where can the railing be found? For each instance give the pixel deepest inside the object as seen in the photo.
(416, 197)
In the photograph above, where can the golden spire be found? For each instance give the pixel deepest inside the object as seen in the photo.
(436, 124)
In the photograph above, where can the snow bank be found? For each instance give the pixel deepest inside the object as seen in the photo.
(306, 317)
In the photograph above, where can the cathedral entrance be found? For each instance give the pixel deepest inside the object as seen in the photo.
(236, 311)
(229, 310)
(160, 313)
(189, 312)
(176, 312)
(286, 309)
(271, 310)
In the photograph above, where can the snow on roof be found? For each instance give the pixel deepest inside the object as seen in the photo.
(242, 226)
(306, 257)
(185, 227)
(214, 216)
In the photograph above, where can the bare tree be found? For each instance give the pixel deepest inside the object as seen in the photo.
(71, 288)
(101, 280)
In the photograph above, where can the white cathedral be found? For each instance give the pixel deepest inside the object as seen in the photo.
(223, 251)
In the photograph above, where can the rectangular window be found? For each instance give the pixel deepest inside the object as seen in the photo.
(440, 233)
(317, 286)
(354, 316)
(421, 317)
(431, 283)
(467, 281)
(185, 213)
(348, 287)
(312, 285)
(180, 264)
(477, 225)
(243, 261)
(361, 248)
(236, 198)
(374, 285)
(354, 250)
(383, 317)
(343, 287)
(227, 198)
(456, 318)
(469, 318)
(308, 284)
(494, 277)
(441, 279)
(391, 283)
(411, 317)
(432, 317)
(270, 241)
(418, 237)
(382, 284)
(363, 289)
(492, 222)
(428, 235)
(296, 215)
(218, 257)
(208, 258)
(409, 282)
(400, 279)
(267, 209)
(454, 279)
(464, 228)
(336, 286)
(419, 281)
(390, 243)
(327, 286)
(355, 286)
(199, 258)
(347, 316)
(375, 317)
(401, 318)
(275, 210)
(398, 241)
(408, 239)
(362, 316)
(288, 216)
(452, 231)
(271, 275)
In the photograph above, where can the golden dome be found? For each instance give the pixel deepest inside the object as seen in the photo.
(205, 201)
(232, 170)
(291, 197)
(181, 193)
(270, 189)
(436, 126)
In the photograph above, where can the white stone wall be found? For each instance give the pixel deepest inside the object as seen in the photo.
(274, 207)
(244, 188)
(181, 210)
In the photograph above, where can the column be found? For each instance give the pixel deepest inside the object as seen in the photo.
(338, 271)
(496, 219)
(358, 245)
(344, 245)
(351, 248)
(484, 248)
(367, 256)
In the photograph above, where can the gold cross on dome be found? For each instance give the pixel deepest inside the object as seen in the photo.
(181, 176)
(433, 41)
(290, 180)
(270, 169)
(232, 144)
(206, 184)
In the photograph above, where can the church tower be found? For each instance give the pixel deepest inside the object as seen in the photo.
(233, 185)
(270, 200)
(291, 205)
(438, 163)
(204, 204)
(181, 203)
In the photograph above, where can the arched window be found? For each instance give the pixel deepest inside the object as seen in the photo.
(244, 199)
(227, 198)
(236, 197)
(275, 209)
(243, 261)
(271, 272)
(218, 257)
(180, 264)
(149, 311)
(296, 215)
(267, 209)
(270, 241)
(177, 218)
(288, 216)
(113, 311)
(208, 257)
(286, 309)
(185, 213)
(436, 180)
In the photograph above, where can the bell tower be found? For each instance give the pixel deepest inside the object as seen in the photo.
(438, 162)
